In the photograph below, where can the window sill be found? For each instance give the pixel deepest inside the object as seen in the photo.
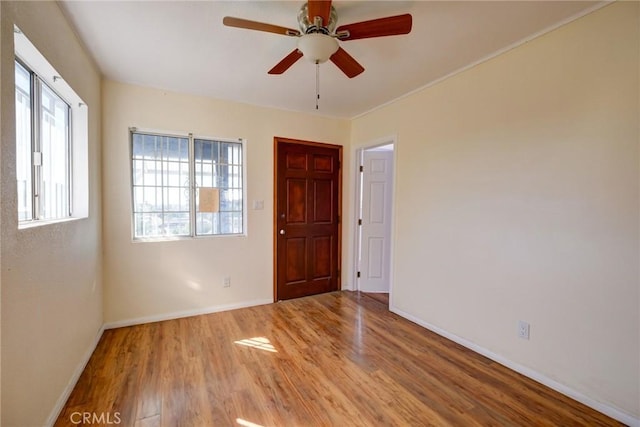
(41, 223)
(179, 238)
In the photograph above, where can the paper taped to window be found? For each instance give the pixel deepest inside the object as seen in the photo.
(209, 199)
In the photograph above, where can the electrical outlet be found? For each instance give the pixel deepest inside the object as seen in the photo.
(523, 329)
(227, 282)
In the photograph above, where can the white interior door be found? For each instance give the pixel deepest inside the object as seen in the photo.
(375, 232)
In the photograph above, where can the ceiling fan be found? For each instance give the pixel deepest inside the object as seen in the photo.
(318, 36)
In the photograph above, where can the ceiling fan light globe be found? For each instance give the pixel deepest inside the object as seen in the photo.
(316, 47)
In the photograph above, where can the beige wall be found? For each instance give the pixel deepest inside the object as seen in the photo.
(517, 198)
(156, 279)
(51, 275)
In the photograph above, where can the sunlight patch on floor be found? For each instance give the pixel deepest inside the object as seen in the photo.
(261, 343)
(246, 423)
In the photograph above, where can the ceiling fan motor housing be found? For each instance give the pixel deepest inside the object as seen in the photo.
(307, 27)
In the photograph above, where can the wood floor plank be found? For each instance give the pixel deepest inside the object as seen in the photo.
(337, 359)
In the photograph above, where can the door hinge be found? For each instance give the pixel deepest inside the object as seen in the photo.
(361, 168)
(360, 221)
(358, 275)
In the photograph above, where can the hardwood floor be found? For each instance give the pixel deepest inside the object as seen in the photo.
(338, 359)
(378, 296)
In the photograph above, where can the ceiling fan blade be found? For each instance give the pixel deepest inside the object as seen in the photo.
(321, 8)
(346, 63)
(287, 62)
(230, 21)
(389, 26)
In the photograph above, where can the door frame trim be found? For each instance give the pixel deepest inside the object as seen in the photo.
(276, 140)
(359, 153)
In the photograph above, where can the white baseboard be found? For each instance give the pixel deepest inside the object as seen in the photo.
(185, 313)
(62, 400)
(611, 411)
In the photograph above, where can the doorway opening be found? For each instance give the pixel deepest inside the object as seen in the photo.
(374, 210)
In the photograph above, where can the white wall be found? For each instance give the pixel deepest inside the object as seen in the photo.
(518, 198)
(51, 275)
(156, 279)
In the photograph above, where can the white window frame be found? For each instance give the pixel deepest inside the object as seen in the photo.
(37, 86)
(192, 185)
(78, 150)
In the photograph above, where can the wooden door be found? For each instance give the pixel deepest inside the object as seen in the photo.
(307, 218)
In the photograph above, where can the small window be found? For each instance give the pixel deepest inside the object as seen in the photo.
(51, 141)
(184, 186)
(42, 149)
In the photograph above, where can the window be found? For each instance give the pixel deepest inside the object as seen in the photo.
(42, 149)
(166, 204)
(51, 148)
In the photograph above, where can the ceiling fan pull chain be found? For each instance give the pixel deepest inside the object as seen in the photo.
(317, 83)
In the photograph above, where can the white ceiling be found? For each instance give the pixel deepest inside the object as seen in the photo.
(182, 46)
